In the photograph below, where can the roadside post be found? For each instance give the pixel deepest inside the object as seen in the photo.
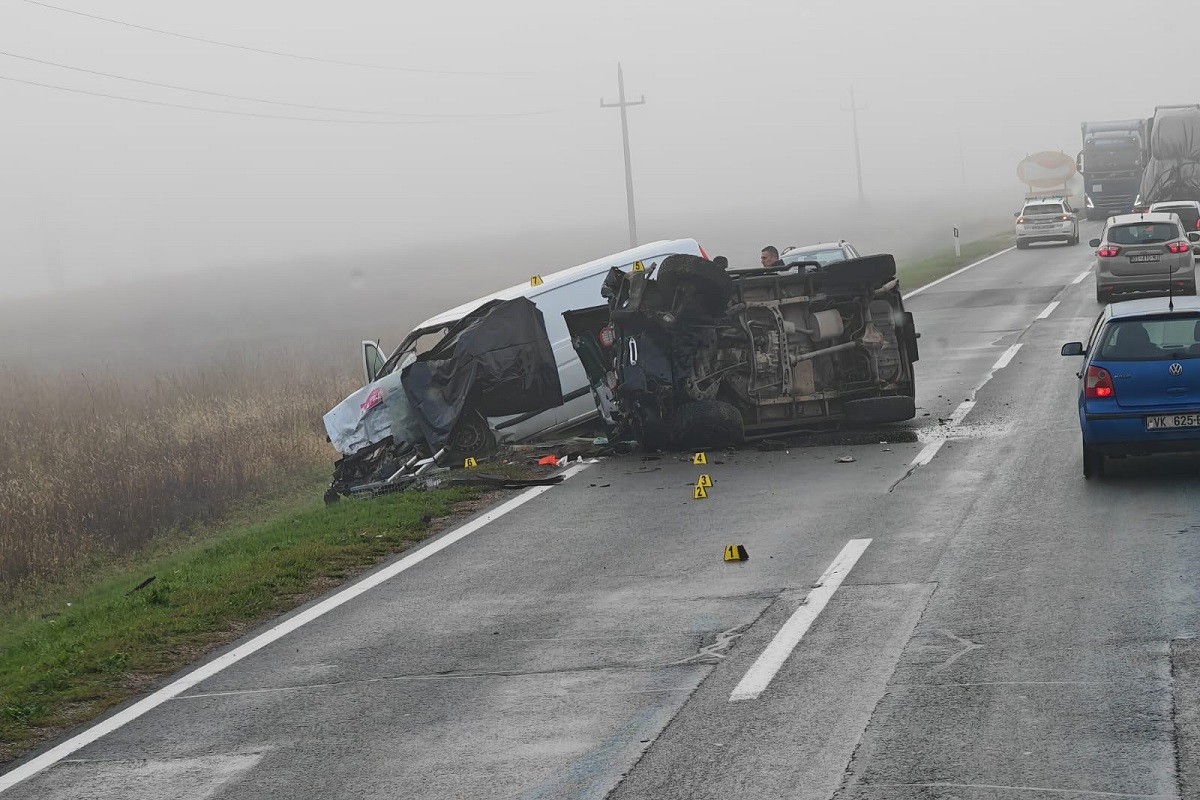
(957, 245)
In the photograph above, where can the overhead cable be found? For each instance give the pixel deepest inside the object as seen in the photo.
(264, 51)
(263, 100)
(248, 113)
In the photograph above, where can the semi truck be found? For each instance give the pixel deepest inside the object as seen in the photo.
(1112, 162)
(1172, 171)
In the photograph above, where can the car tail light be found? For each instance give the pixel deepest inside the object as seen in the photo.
(1099, 384)
(607, 336)
(1198, 224)
(703, 254)
(1108, 251)
(1179, 247)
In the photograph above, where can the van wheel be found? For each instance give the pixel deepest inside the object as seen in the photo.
(708, 423)
(472, 438)
(1093, 463)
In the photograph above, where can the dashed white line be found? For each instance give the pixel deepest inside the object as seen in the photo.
(1004, 360)
(1048, 310)
(205, 671)
(963, 409)
(767, 665)
(927, 453)
(1082, 276)
(931, 284)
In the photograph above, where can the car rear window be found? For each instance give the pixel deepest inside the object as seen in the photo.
(822, 257)
(1151, 339)
(1044, 208)
(1188, 214)
(1143, 233)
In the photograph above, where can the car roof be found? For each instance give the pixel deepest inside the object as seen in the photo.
(812, 248)
(657, 249)
(1149, 216)
(1033, 201)
(1175, 204)
(1153, 306)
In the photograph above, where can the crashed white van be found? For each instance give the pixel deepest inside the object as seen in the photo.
(362, 420)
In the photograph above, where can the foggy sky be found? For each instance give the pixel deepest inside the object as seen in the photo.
(746, 110)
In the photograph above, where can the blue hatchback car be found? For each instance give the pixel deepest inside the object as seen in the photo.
(1139, 389)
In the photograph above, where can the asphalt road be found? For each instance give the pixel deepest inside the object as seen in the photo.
(1009, 630)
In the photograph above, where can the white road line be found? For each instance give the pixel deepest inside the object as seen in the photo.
(927, 453)
(764, 669)
(931, 284)
(1082, 276)
(1048, 310)
(1004, 360)
(963, 409)
(205, 671)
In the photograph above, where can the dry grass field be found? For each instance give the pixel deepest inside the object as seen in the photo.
(92, 465)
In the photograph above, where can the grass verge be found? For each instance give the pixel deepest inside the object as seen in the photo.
(915, 274)
(71, 650)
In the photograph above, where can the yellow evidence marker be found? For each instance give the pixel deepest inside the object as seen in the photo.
(470, 463)
(699, 492)
(700, 459)
(536, 280)
(736, 552)
(639, 266)
(705, 481)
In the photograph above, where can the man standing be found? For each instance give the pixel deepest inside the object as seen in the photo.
(770, 257)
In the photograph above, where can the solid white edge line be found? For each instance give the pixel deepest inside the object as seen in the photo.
(768, 664)
(1005, 359)
(931, 284)
(205, 671)
(1082, 276)
(1048, 310)
(927, 453)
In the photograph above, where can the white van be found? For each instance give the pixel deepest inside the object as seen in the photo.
(570, 289)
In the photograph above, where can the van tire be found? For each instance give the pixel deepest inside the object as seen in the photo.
(472, 437)
(875, 410)
(708, 423)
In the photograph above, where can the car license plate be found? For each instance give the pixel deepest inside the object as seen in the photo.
(1173, 421)
(1143, 259)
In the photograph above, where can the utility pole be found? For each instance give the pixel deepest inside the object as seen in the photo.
(854, 109)
(623, 104)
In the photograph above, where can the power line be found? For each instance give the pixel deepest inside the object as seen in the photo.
(263, 51)
(241, 113)
(259, 99)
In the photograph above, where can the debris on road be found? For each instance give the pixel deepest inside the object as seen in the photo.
(845, 459)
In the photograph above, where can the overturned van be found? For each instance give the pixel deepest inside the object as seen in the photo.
(692, 355)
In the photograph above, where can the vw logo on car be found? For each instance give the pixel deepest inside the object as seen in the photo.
(1175, 369)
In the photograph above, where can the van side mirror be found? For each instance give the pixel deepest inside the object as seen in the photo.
(1094, 243)
(1072, 349)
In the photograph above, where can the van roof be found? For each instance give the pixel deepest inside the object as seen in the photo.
(643, 252)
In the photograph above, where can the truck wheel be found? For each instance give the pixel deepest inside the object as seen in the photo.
(875, 410)
(708, 423)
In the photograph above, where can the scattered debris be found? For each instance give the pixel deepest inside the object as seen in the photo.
(141, 585)
(845, 459)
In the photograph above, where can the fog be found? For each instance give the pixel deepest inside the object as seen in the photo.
(744, 140)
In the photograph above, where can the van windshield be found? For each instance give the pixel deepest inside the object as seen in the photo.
(408, 352)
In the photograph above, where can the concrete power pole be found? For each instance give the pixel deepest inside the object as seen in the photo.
(623, 104)
(857, 150)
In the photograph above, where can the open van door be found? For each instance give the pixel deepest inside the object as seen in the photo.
(373, 360)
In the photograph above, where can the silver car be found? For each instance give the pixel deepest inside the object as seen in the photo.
(1046, 220)
(824, 254)
(1144, 253)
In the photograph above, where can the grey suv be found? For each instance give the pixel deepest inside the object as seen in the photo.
(1141, 253)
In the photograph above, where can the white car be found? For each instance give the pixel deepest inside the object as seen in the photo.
(1048, 219)
(824, 254)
